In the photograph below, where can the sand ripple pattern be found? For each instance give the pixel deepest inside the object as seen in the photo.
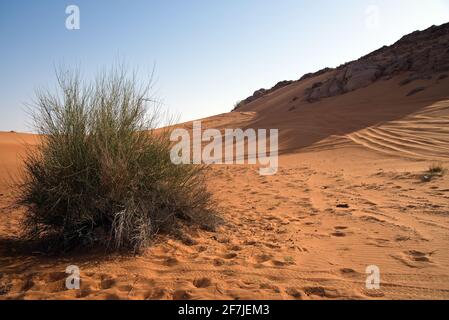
(423, 135)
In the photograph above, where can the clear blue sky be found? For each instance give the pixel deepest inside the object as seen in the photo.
(208, 53)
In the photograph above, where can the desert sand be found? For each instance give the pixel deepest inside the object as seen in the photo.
(347, 195)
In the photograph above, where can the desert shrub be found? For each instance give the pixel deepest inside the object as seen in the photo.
(103, 173)
(434, 170)
(238, 105)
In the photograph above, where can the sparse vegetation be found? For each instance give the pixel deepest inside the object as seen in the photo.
(238, 105)
(102, 173)
(434, 170)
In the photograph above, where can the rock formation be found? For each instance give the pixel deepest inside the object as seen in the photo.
(421, 54)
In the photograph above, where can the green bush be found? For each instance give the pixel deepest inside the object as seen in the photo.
(102, 173)
(436, 169)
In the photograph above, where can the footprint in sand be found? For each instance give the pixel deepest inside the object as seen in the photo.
(400, 238)
(171, 262)
(338, 234)
(250, 242)
(278, 263)
(293, 292)
(413, 258)
(267, 286)
(339, 231)
(418, 256)
(321, 292)
(235, 248)
(349, 273)
(156, 294)
(202, 282)
(182, 295)
(230, 255)
(28, 284)
(272, 246)
(263, 258)
(218, 262)
(5, 288)
(107, 283)
(56, 276)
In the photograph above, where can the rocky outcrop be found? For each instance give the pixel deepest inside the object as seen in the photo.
(262, 92)
(421, 54)
(315, 74)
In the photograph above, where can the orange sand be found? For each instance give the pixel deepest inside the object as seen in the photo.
(284, 236)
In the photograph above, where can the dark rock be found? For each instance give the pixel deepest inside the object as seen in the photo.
(317, 85)
(262, 92)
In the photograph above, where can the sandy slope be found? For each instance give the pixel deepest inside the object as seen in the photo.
(285, 236)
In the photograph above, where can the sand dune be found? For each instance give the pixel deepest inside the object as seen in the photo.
(348, 195)
(285, 238)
